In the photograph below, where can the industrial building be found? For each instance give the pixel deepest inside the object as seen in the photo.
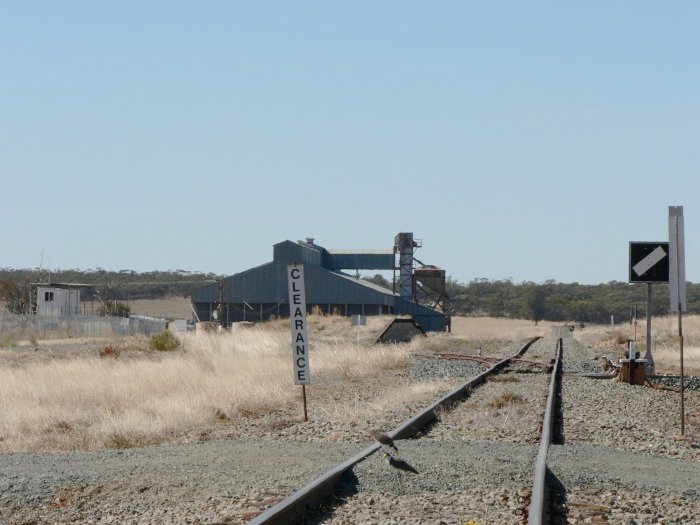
(260, 293)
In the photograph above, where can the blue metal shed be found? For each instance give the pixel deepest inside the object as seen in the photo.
(261, 292)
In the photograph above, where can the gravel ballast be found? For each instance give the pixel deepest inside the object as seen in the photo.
(456, 482)
(201, 483)
(633, 418)
(228, 475)
(614, 486)
(618, 461)
(475, 463)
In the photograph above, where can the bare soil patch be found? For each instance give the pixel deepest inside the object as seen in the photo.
(487, 328)
(168, 308)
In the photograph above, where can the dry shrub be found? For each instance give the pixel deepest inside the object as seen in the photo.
(164, 341)
(620, 338)
(109, 351)
(318, 311)
(504, 399)
(119, 442)
(8, 340)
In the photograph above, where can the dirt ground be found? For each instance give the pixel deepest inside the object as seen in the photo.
(499, 328)
(170, 308)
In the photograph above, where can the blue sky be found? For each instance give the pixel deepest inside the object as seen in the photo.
(516, 139)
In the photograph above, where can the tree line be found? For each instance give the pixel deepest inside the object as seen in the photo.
(106, 286)
(550, 301)
(553, 301)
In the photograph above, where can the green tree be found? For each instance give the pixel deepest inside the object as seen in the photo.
(379, 280)
(114, 309)
(16, 296)
(537, 302)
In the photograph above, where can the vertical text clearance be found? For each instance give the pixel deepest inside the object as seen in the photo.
(297, 310)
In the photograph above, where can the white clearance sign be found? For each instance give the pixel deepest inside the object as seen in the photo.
(297, 314)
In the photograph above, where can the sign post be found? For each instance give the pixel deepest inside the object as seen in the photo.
(297, 315)
(648, 356)
(649, 263)
(676, 237)
(358, 320)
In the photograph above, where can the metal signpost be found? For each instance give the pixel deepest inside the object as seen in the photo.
(359, 320)
(677, 284)
(649, 263)
(297, 315)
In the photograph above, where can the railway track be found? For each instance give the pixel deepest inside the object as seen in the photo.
(443, 444)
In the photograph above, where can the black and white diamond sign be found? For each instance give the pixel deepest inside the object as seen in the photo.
(649, 262)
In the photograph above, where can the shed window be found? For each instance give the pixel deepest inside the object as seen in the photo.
(48, 296)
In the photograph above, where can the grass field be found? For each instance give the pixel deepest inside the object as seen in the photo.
(665, 341)
(64, 396)
(169, 308)
(87, 402)
(499, 328)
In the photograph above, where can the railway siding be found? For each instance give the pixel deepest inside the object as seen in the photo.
(617, 462)
(620, 461)
(448, 471)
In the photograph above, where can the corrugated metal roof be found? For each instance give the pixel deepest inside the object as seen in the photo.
(360, 252)
(64, 285)
(368, 284)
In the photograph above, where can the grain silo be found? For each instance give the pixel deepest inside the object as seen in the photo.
(261, 292)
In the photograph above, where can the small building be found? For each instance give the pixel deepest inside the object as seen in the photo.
(59, 299)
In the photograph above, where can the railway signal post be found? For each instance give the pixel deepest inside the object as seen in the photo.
(649, 263)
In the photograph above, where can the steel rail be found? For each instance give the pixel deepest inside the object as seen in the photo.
(537, 512)
(291, 509)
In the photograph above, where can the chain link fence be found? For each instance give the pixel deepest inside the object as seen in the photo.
(14, 327)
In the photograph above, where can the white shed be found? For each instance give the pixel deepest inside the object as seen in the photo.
(57, 299)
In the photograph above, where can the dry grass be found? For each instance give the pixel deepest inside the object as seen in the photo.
(504, 399)
(349, 361)
(499, 328)
(358, 408)
(668, 360)
(92, 403)
(169, 308)
(664, 331)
